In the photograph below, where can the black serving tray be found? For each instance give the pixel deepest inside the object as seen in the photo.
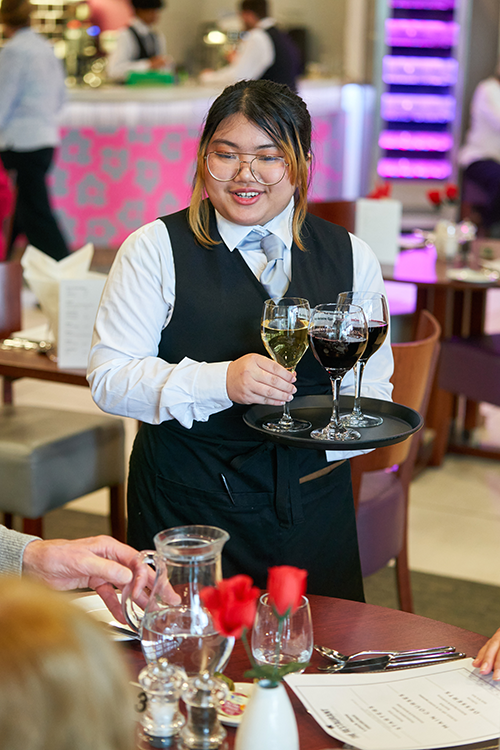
(399, 422)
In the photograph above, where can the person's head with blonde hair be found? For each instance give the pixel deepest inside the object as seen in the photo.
(63, 682)
(283, 117)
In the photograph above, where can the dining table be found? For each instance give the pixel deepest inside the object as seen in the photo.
(460, 308)
(348, 627)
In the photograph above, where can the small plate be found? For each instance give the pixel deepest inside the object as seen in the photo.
(95, 606)
(473, 277)
(233, 707)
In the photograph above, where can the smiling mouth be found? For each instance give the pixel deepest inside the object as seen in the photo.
(247, 193)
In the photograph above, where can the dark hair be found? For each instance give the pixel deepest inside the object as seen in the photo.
(283, 116)
(259, 7)
(148, 4)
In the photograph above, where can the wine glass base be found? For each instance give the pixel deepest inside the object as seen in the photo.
(295, 425)
(340, 433)
(361, 420)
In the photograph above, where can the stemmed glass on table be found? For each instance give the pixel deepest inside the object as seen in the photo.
(338, 334)
(374, 306)
(284, 333)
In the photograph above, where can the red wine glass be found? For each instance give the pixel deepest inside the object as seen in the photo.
(374, 306)
(337, 336)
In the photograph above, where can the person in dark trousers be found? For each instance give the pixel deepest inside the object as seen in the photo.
(32, 94)
(177, 344)
(265, 52)
(139, 47)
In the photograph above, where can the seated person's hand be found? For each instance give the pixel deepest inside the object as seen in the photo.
(489, 657)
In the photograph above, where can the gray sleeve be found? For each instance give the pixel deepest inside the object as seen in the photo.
(12, 546)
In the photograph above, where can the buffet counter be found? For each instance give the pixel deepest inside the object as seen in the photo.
(127, 153)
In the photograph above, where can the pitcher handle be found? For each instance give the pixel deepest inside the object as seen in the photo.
(135, 590)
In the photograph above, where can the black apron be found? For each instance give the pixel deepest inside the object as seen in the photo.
(223, 473)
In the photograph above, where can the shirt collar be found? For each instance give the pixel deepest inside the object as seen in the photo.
(281, 226)
(141, 27)
(266, 23)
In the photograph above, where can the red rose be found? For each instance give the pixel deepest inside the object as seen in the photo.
(434, 196)
(451, 192)
(286, 586)
(232, 604)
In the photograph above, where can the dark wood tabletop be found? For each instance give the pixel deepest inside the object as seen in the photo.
(348, 627)
(19, 363)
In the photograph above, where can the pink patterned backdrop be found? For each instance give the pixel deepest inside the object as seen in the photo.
(109, 181)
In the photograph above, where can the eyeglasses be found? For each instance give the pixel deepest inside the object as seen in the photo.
(224, 167)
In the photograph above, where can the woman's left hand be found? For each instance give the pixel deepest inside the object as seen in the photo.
(489, 657)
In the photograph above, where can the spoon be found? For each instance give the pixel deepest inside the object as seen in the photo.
(337, 657)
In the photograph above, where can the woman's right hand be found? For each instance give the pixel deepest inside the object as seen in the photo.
(255, 379)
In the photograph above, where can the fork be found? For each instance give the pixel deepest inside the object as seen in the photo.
(337, 657)
(382, 663)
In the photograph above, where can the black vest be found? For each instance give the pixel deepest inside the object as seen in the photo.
(286, 65)
(144, 53)
(219, 302)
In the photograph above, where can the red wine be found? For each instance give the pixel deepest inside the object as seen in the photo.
(377, 331)
(337, 357)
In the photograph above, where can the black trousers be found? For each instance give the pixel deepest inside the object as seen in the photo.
(175, 480)
(33, 215)
(486, 173)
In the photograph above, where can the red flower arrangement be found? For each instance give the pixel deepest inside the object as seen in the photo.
(447, 196)
(233, 605)
(382, 190)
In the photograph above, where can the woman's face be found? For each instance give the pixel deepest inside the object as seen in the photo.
(244, 200)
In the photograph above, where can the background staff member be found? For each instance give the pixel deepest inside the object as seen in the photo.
(265, 52)
(139, 48)
(177, 345)
(32, 93)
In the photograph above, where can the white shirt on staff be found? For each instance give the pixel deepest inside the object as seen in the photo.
(483, 137)
(122, 60)
(254, 56)
(125, 374)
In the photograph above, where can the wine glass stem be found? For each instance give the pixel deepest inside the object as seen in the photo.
(335, 420)
(286, 417)
(356, 410)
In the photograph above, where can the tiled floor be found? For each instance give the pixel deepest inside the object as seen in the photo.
(454, 510)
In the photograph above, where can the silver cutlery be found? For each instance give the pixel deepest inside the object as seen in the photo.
(338, 658)
(390, 663)
(122, 630)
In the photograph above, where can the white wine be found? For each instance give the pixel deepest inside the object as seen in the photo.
(286, 345)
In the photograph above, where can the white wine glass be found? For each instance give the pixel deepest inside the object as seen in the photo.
(374, 306)
(338, 335)
(284, 333)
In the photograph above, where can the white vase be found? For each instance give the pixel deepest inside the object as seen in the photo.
(268, 722)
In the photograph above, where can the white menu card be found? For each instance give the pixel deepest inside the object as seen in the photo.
(78, 303)
(445, 705)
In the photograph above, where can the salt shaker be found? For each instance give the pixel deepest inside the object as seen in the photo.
(203, 696)
(161, 719)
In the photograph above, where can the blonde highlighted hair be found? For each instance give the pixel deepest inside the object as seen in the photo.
(283, 116)
(64, 685)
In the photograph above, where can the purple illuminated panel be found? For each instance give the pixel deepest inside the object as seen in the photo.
(419, 71)
(417, 108)
(410, 32)
(424, 4)
(423, 169)
(414, 140)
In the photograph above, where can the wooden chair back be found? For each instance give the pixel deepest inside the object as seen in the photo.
(10, 297)
(414, 368)
(342, 213)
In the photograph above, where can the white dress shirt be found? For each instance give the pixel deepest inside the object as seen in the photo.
(32, 93)
(483, 137)
(254, 56)
(125, 374)
(122, 60)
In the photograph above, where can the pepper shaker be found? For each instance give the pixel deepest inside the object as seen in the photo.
(203, 696)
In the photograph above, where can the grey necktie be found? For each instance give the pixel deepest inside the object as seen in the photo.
(273, 278)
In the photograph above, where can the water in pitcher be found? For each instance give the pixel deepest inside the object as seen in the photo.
(186, 639)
